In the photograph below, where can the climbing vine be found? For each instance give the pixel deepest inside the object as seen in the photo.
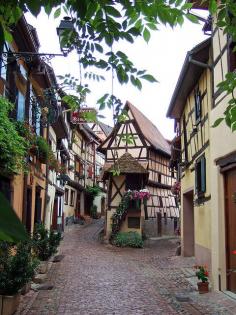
(13, 146)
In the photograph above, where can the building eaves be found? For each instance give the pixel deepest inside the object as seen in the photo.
(189, 75)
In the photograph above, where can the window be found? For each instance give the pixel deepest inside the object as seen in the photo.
(90, 171)
(72, 198)
(20, 107)
(133, 182)
(198, 105)
(200, 176)
(66, 195)
(77, 167)
(36, 115)
(185, 140)
(3, 63)
(134, 222)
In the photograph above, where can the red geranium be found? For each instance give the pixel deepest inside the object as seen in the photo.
(234, 252)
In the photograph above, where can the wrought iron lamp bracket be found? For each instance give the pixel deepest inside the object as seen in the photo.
(28, 57)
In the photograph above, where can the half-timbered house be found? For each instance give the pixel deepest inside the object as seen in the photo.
(208, 178)
(190, 106)
(22, 82)
(136, 135)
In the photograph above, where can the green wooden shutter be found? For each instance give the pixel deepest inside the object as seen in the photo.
(203, 174)
(196, 178)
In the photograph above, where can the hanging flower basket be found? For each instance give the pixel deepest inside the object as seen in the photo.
(176, 188)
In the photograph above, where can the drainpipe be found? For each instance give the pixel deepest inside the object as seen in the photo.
(199, 63)
(46, 179)
(94, 162)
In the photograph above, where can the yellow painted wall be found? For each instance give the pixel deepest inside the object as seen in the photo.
(69, 210)
(223, 142)
(18, 187)
(196, 141)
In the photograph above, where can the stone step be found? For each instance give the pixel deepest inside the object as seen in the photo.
(40, 278)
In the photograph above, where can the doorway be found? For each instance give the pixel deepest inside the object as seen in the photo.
(230, 220)
(28, 209)
(38, 206)
(102, 206)
(188, 225)
(55, 213)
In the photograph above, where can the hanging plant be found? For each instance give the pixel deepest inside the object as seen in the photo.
(176, 188)
(43, 149)
(13, 146)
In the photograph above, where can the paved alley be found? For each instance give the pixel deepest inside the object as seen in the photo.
(98, 279)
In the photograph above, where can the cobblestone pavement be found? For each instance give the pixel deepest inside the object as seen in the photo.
(98, 279)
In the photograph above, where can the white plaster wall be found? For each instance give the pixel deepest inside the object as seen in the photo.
(49, 208)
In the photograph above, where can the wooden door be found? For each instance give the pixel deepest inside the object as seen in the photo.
(38, 206)
(29, 209)
(55, 214)
(230, 216)
(188, 233)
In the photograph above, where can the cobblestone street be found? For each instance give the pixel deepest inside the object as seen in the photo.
(99, 279)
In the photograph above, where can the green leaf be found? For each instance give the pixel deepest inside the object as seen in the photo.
(34, 7)
(217, 122)
(7, 35)
(212, 7)
(138, 84)
(57, 13)
(146, 35)
(233, 127)
(149, 78)
(11, 228)
(112, 11)
(192, 18)
(187, 6)
(48, 8)
(98, 47)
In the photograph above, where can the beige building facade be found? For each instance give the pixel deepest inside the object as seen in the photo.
(213, 222)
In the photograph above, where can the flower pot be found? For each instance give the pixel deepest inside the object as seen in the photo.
(203, 287)
(9, 304)
(43, 267)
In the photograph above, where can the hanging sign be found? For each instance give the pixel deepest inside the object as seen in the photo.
(84, 115)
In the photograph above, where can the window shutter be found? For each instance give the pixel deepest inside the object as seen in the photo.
(203, 174)
(197, 105)
(196, 178)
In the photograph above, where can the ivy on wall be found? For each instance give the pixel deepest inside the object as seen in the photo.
(13, 146)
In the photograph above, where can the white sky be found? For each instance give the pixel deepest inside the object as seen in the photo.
(162, 57)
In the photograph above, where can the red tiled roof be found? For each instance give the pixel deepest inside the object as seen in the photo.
(149, 130)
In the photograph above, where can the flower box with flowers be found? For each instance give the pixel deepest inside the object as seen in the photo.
(136, 197)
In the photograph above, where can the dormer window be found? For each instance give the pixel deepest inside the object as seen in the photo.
(198, 105)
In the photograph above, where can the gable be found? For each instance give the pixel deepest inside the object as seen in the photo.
(126, 137)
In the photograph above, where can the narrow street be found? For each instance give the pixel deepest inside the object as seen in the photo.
(99, 279)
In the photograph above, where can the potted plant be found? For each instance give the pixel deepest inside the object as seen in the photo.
(43, 149)
(17, 268)
(202, 274)
(45, 245)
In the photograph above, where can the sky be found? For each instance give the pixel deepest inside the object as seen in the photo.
(162, 57)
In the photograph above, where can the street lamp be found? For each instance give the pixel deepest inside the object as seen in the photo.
(66, 26)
